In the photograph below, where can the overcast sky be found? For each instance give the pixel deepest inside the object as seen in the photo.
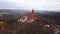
(29, 4)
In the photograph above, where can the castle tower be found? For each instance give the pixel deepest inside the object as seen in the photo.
(32, 14)
(32, 10)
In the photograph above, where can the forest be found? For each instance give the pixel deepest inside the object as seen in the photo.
(11, 26)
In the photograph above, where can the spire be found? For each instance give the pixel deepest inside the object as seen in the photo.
(32, 10)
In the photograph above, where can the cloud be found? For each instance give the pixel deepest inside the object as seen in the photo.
(29, 4)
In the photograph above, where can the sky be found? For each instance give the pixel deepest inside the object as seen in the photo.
(53, 5)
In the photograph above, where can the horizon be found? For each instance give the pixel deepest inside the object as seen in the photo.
(31, 10)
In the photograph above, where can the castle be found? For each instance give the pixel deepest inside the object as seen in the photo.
(30, 17)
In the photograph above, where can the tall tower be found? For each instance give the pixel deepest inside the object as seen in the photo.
(32, 10)
(32, 14)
